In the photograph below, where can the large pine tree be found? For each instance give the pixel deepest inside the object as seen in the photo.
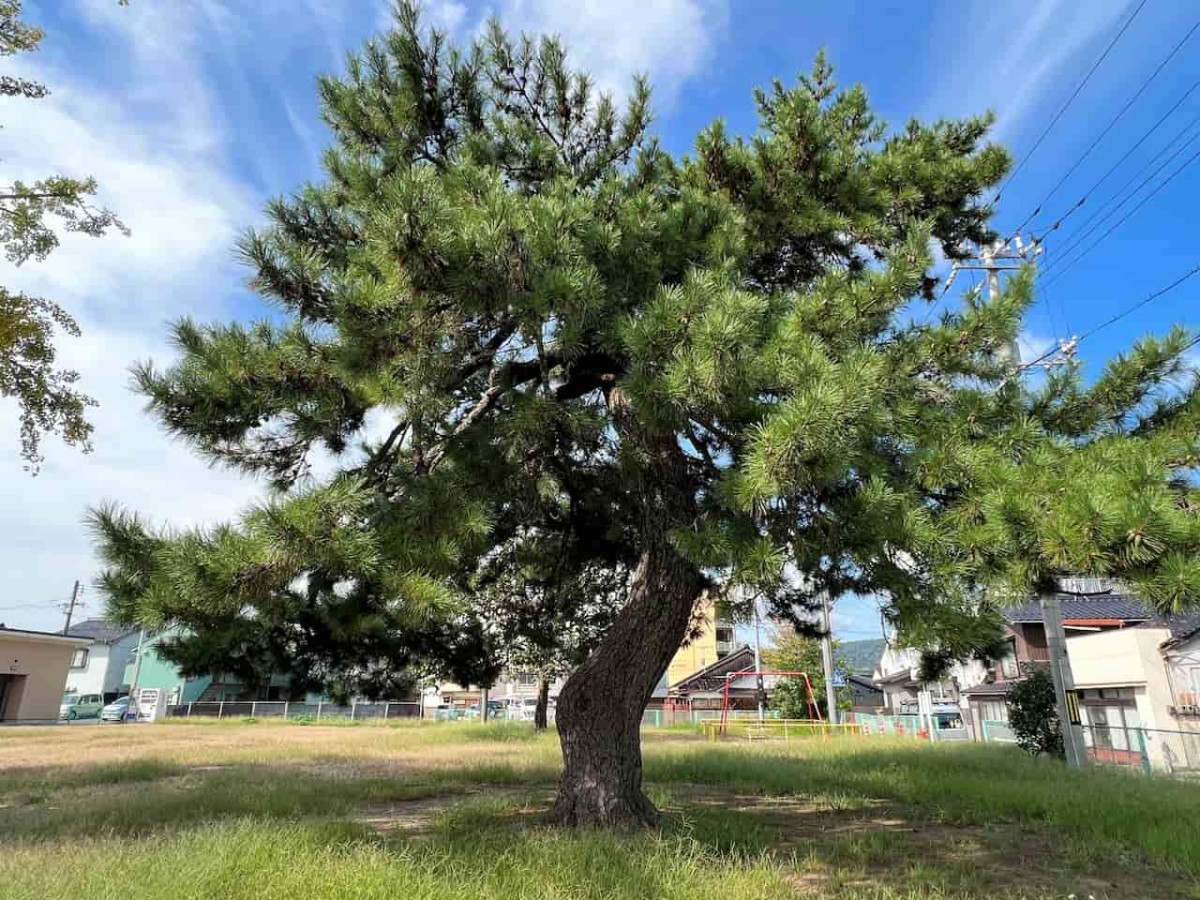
(709, 361)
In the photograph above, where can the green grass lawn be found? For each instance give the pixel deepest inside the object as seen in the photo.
(231, 810)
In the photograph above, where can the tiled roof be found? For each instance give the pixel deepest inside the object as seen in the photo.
(1104, 606)
(1181, 626)
(861, 657)
(100, 631)
(4, 629)
(714, 674)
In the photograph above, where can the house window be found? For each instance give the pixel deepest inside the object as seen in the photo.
(1008, 662)
(79, 660)
(526, 678)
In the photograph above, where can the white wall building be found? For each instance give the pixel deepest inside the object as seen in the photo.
(898, 676)
(99, 668)
(1135, 691)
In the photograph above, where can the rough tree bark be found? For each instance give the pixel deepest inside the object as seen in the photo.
(540, 712)
(599, 712)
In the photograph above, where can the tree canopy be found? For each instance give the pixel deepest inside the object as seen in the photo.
(705, 368)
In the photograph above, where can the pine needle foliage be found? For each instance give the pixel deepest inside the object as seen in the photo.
(504, 266)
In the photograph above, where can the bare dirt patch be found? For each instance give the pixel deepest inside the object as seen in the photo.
(417, 818)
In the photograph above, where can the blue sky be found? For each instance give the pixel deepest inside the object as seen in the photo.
(192, 113)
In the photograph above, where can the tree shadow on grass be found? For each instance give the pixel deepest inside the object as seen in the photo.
(840, 842)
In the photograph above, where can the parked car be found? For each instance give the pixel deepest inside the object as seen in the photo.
(80, 706)
(115, 711)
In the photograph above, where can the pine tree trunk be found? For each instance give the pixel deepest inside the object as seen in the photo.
(599, 712)
(540, 717)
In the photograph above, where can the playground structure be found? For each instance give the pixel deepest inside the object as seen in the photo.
(763, 727)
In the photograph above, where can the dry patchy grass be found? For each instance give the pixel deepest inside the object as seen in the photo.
(454, 811)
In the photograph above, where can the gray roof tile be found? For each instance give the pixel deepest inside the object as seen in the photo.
(1103, 606)
(100, 631)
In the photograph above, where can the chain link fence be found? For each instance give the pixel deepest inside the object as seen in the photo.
(281, 709)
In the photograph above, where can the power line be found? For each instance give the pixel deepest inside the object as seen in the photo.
(1112, 123)
(1066, 266)
(1070, 100)
(1106, 210)
(1116, 318)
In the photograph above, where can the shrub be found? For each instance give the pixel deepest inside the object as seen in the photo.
(1033, 713)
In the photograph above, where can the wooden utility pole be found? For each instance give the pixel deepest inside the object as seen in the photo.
(71, 606)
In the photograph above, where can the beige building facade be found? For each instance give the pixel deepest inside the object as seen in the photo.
(33, 672)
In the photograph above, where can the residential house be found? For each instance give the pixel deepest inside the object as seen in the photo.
(983, 693)
(1137, 690)
(705, 689)
(512, 687)
(980, 689)
(1181, 655)
(100, 667)
(156, 672)
(33, 667)
(898, 678)
(865, 695)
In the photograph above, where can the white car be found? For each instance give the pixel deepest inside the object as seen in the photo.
(115, 711)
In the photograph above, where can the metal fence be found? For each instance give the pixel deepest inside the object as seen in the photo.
(776, 729)
(1149, 750)
(998, 732)
(910, 726)
(670, 716)
(280, 709)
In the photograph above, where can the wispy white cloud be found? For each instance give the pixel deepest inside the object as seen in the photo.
(670, 41)
(1015, 58)
(1034, 346)
(151, 130)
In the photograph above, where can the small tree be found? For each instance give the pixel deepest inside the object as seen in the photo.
(794, 652)
(1033, 712)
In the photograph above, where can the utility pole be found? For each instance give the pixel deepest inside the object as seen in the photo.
(137, 674)
(71, 606)
(1064, 681)
(1056, 637)
(827, 660)
(1002, 256)
(758, 676)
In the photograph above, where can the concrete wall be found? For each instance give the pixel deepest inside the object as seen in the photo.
(37, 666)
(1125, 657)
